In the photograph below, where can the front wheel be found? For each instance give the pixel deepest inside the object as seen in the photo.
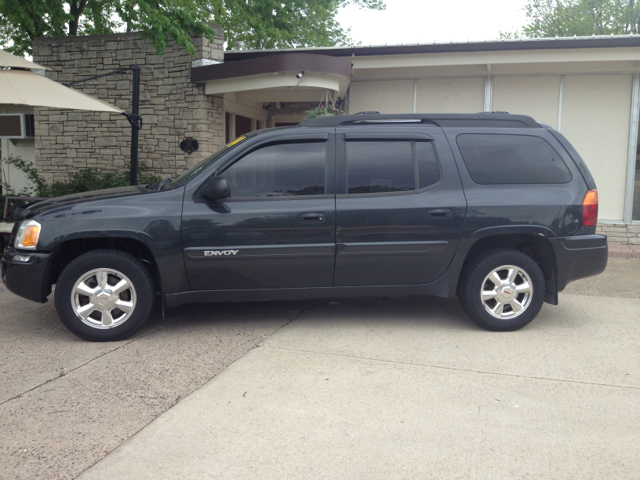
(104, 295)
(502, 290)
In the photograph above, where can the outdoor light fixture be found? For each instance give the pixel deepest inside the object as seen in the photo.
(189, 145)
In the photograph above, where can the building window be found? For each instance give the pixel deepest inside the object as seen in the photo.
(243, 125)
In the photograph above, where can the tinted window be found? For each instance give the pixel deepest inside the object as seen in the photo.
(388, 166)
(428, 169)
(508, 159)
(279, 170)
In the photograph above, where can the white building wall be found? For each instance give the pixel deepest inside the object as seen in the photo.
(11, 176)
(536, 96)
(450, 95)
(394, 96)
(596, 110)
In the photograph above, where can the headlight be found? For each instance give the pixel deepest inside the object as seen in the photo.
(28, 235)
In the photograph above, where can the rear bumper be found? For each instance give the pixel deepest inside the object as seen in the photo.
(26, 278)
(579, 257)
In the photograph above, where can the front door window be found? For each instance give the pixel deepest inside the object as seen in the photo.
(282, 170)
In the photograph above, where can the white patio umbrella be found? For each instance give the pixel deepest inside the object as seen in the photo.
(19, 85)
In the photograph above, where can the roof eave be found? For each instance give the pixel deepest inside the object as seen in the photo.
(484, 46)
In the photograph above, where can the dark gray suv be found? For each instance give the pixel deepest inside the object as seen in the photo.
(495, 208)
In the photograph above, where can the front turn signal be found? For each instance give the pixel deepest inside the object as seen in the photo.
(28, 235)
(590, 209)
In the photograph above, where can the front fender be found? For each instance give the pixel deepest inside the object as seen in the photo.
(153, 220)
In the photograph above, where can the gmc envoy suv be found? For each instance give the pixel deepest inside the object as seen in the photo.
(495, 208)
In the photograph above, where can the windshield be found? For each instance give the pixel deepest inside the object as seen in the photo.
(195, 170)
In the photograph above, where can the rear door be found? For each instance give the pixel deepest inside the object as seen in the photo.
(277, 230)
(400, 205)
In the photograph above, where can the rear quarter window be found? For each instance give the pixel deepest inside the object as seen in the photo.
(494, 159)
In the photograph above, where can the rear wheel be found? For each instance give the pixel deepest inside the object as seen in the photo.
(502, 290)
(104, 295)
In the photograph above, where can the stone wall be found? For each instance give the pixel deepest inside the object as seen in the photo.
(620, 233)
(171, 106)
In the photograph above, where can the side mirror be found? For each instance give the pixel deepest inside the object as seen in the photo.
(215, 188)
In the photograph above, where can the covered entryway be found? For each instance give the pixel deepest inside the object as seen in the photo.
(273, 90)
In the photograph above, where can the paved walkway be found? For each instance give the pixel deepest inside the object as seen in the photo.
(408, 388)
(617, 250)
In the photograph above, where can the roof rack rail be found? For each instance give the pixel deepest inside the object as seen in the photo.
(368, 112)
(484, 119)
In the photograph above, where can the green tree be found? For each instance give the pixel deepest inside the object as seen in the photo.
(157, 20)
(285, 23)
(259, 23)
(566, 18)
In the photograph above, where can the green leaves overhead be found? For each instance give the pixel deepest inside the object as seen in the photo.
(286, 23)
(566, 18)
(259, 23)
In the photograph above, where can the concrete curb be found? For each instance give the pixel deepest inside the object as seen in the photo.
(617, 250)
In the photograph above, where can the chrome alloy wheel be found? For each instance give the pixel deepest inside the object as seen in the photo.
(103, 298)
(506, 292)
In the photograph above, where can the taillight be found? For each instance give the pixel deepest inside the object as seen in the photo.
(590, 209)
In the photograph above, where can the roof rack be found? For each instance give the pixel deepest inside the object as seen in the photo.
(484, 119)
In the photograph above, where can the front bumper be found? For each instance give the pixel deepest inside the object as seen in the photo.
(579, 257)
(26, 278)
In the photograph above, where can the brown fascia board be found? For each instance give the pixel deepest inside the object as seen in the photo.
(283, 62)
(491, 46)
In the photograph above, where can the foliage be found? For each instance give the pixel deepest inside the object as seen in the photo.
(510, 35)
(566, 18)
(324, 111)
(83, 180)
(259, 23)
(156, 20)
(285, 23)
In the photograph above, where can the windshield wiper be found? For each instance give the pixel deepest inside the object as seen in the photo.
(165, 182)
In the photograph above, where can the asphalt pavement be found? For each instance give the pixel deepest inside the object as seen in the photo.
(357, 388)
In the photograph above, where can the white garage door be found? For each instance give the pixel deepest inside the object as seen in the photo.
(595, 118)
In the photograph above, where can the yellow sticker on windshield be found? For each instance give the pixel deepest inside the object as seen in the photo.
(237, 140)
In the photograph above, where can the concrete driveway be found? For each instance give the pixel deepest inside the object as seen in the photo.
(401, 388)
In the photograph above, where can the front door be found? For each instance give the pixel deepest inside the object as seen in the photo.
(277, 230)
(400, 206)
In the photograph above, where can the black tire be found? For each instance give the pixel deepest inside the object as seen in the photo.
(111, 267)
(474, 280)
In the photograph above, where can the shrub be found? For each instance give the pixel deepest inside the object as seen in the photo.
(83, 180)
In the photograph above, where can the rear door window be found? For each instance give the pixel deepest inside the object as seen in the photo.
(390, 166)
(494, 159)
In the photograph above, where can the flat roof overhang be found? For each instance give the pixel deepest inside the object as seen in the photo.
(559, 43)
(510, 57)
(274, 78)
